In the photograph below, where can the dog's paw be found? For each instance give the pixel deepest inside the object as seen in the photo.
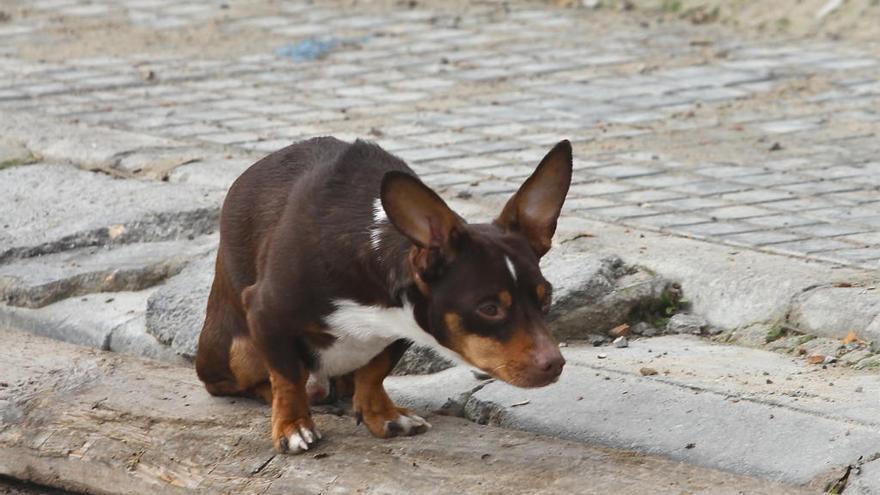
(406, 424)
(297, 436)
(399, 422)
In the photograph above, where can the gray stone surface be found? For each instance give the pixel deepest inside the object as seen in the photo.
(217, 172)
(686, 323)
(866, 481)
(744, 410)
(835, 311)
(111, 321)
(176, 310)
(50, 208)
(132, 338)
(731, 288)
(152, 428)
(42, 280)
(85, 146)
(593, 294)
(14, 153)
(421, 361)
(87, 320)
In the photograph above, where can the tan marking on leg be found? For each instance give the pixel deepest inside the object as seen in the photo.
(291, 417)
(541, 292)
(246, 363)
(373, 406)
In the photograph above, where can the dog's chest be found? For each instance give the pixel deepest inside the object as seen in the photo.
(362, 332)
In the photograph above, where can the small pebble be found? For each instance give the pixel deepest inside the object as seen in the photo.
(602, 356)
(621, 342)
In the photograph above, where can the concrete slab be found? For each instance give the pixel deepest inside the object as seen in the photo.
(708, 404)
(14, 153)
(42, 280)
(113, 321)
(217, 172)
(89, 147)
(832, 311)
(176, 310)
(864, 481)
(50, 208)
(80, 419)
(730, 287)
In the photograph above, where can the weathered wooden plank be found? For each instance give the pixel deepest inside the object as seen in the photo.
(81, 419)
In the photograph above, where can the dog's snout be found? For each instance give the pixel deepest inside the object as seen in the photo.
(552, 364)
(549, 362)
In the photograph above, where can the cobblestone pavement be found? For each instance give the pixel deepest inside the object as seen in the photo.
(676, 128)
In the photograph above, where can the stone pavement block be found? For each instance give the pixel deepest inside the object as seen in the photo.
(708, 188)
(811, 245)
(835, 311)
(712, 229)
(13, 153)
(792, 429)
(698, 203)
(763, 238)
(106, 321)
(782, 220)
(42, 280)
(624, 212)
(597, 189)
(600, 294)
(738, 212)
(671, 220)
(175, 312)
(50, 208)
(865, 481)
(87, 147)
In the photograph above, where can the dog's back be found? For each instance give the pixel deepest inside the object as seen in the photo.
(329, 193)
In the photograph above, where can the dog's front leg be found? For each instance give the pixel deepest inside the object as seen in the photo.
(372, 404)
(293, 430)
(272, 326)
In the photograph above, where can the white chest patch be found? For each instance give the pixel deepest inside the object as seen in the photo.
(362, 332)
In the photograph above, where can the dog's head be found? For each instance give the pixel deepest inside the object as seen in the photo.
(486, 296)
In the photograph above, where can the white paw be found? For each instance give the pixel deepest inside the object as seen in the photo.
(407, 424)
(300, 440)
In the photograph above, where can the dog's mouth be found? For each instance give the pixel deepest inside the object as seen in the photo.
(526, 376)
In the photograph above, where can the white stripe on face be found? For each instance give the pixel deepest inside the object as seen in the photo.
(379, 219)
(510, 268)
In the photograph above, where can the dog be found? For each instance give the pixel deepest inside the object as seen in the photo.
(334, 258)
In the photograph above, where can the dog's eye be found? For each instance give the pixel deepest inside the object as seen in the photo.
(491, 311)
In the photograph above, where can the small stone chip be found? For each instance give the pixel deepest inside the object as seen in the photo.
(619, 331)
(621, 342)
(648, 371)
(815, 359)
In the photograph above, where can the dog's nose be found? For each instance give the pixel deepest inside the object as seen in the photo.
(550, 362)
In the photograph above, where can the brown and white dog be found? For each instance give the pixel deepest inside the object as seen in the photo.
(334, 258)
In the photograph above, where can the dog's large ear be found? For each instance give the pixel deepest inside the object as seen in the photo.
(534, 209)
(419, 213)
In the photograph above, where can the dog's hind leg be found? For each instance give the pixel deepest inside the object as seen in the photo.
(227, 361)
